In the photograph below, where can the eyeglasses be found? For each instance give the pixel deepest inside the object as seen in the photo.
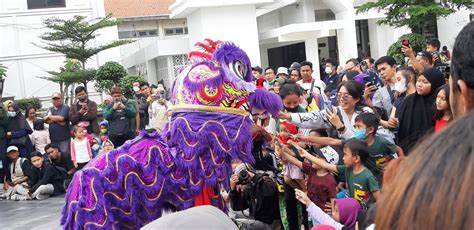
(56, 98)
(343, 95)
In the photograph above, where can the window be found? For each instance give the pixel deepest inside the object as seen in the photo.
(137, 34)
(176, 31)
(41, 4)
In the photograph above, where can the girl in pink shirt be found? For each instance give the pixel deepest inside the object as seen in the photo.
(81, 152)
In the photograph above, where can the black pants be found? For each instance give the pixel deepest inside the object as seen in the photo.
(119, 140)
(81, 165)
(291, 204)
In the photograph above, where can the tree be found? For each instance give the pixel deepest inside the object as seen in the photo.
(73, 38)
(417, 42)
(71, 73)
(414, 13)
(3, 72)
(108, 76)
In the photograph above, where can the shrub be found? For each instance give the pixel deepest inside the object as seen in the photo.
(108, 76)
(417, 42)
(26, 102)
(126, 84)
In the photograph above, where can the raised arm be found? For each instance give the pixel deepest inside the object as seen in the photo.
(318, 161)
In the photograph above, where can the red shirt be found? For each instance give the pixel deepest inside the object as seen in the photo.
(440, 124)
(320, 188)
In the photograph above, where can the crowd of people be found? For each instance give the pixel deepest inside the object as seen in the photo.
(331, 160)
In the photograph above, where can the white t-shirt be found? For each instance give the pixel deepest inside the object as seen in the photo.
(81, 150)
(318, 86)
(158, 116)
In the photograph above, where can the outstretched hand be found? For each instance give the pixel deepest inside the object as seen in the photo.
(285, 116)
(302, 197)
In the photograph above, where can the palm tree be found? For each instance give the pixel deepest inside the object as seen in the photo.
(3, 71)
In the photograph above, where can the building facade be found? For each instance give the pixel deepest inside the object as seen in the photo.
(279, 32)
(160, 46)
(21, 22)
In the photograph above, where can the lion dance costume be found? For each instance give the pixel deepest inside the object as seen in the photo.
(186, 164)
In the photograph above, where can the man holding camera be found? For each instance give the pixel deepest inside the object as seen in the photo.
(160, 109)
(257, 192)
(119, 114)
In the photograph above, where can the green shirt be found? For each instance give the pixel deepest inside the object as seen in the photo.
(361, 185)
(380, 152)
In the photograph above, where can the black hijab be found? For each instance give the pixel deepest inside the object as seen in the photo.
(18, 122)
(417, 111)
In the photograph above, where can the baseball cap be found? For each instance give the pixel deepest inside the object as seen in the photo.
(56, 95)
(295, 65)
(257, 68)
(12, 148)
(282, 70)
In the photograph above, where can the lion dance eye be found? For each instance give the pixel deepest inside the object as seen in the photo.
(238, 68)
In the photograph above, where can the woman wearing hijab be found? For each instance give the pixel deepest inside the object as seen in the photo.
(344, 215)
(18, 130)
(416, 113)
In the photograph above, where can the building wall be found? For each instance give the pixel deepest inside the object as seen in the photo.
(450, 26)
(20, 28)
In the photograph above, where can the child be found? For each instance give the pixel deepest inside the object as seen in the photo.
(107, 145)
(361, 183)
(380, 150)
(344, 215)
(40, 136)
(443, 112)
(49, 179)
(104, 131)
(292, 174)
(81, 152)
(321, 184)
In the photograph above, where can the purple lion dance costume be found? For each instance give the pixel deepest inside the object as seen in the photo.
(210, 126)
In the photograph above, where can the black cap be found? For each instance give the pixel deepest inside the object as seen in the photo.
(257, 68)
(295, 65)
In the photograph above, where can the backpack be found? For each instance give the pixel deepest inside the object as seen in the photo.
(120, 124)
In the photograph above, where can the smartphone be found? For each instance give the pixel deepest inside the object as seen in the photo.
(406, 42)
(329, 108)
(296, 146)
(293, 136)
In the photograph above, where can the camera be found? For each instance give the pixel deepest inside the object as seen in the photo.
(243, 177)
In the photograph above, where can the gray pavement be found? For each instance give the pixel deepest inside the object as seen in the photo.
(33, 214)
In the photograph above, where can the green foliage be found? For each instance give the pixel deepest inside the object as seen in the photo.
(72, 37)
(27, 102)
(413, 13)
(417, 42)
(126, 84)
(108, 76)
(3, 71)
(71, 73)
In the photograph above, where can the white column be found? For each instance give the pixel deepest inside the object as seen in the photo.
(311, 49)
(346, 37)
(151, 71)
(226, 23)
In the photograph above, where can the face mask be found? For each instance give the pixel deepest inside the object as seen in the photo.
(401, 86)
(360, 134)
(292, 110)
(328, 70)
(103, 131)
(11, 114)
(82, 98)
(136, 89)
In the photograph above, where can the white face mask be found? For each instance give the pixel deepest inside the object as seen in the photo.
(401, 86)
(136, 88)
(328, 70)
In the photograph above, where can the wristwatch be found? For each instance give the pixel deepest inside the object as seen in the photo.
(340, 129)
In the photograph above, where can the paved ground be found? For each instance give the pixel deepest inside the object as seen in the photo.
(35, 214)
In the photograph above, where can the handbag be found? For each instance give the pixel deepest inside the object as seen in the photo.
(19, 142)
